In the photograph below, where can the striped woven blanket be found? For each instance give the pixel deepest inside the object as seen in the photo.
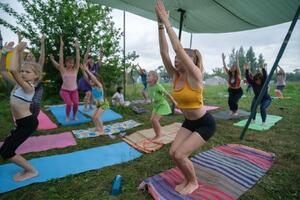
(224, 172)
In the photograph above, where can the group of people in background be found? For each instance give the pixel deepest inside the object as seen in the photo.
(187, 94)
(256, 82)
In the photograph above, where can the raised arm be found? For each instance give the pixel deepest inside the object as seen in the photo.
(85, 76)
(42, 51)
(15, 66)
(91, 75)
(7, 47)
(247, 73)
(19, 36)
(224, 64)
(191, 68)
(77, 64)
(141, 72)
(281, 70)
(61, 55)
(54, 63)
(86, 55)
(164, 49)
(264, 71)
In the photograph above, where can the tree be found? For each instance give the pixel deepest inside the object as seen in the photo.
(90, 23)
(130, 57)
(242, 59)
(219, 72)
(232, 59)
(251, 59)
(261, 60)
(164, 76)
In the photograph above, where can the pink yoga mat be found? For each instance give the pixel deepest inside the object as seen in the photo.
(45, 122)
(207, 108)
(46, 142)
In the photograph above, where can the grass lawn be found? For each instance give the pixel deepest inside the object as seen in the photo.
(281, 182)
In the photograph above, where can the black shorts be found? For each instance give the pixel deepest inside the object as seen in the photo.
(25, 127)
(205, 126)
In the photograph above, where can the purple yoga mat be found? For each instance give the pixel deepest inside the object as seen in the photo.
(46, 142)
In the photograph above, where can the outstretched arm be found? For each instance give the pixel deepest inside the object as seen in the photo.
(238, 65)
(77, 64)
(164, 49)
(61, 55)
(42, 51)
(86, 55)
(191, 68)
(264, 71)
(54, 63)
(247, 73)
(15, 66)
(85, 76)
(141, 72)
(19, 36)
(281, 70)
(7, 47)
(224, 64)
(91, 75)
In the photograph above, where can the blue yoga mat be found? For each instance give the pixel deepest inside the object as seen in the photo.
(107, 115)
(58, 166)
(59, 112)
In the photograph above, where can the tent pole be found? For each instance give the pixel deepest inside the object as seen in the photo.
(265, 86)
(191, 40)
(181, 21)
(124, 53)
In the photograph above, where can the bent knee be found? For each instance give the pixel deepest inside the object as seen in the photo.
(179, 155)
(172, 152)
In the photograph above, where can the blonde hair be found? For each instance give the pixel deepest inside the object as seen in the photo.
(154, 73)
(36, 68)
(197, 55)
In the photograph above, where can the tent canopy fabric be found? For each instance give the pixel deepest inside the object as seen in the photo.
(214, 16)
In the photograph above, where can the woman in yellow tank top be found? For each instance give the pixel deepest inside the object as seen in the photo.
(187, 76)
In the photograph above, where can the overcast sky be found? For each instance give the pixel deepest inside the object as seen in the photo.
(142, 37)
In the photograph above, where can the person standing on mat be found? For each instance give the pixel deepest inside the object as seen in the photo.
(280, 82)
(161, 107)
(83, 84)
(97, 85)
(25, 76)
(187, 76)
(68, 91)
(143, 75)
(257, 82)
(235, 91)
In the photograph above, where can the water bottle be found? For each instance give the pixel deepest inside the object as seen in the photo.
(117, 185)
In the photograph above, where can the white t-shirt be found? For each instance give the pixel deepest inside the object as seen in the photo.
(117, 98)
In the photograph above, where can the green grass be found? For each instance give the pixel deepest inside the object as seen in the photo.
(281, 181)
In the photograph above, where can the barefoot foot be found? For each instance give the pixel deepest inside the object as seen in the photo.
(22, 176)
(155, 139)
(179, 187)
(189, 188)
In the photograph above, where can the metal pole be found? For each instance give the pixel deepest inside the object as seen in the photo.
(1, 40)
(265, 86)
(191, 40)
(124, 53)
(181, 21)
